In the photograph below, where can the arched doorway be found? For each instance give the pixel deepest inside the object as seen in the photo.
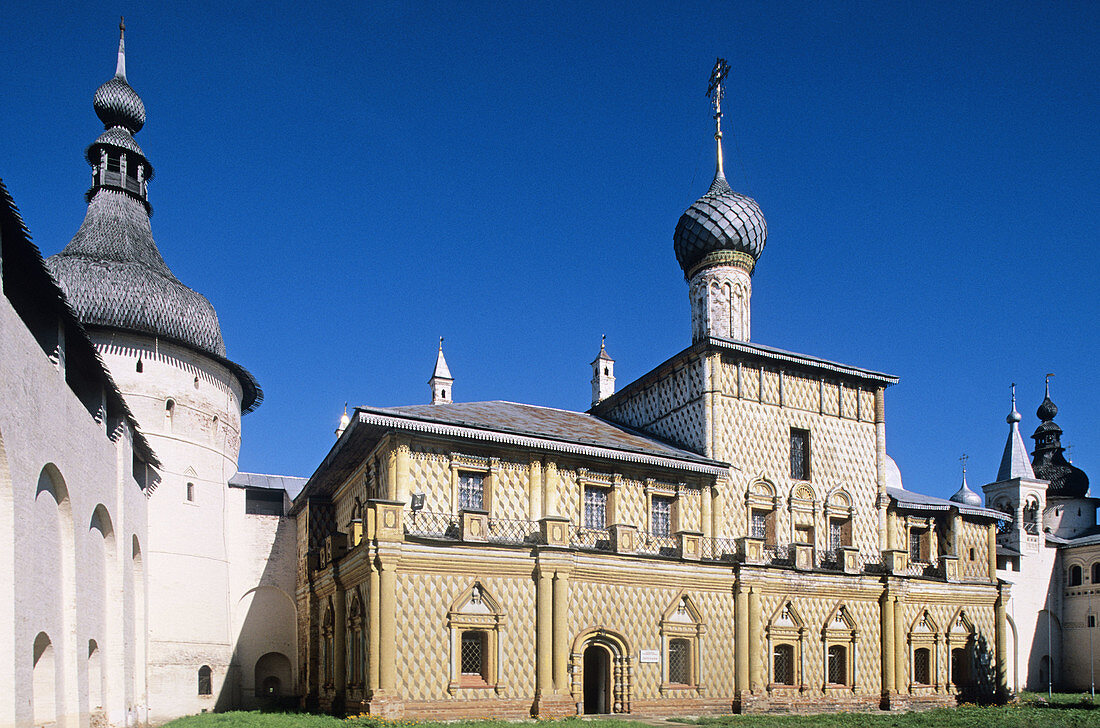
(601, 673)
(597, 679)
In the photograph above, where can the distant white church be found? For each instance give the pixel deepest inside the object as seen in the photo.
(149, 579)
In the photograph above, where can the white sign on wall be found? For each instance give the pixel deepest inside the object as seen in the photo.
(650, 656)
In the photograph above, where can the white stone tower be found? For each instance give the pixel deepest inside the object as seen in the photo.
(603, 375)
(164, 348)
(718, 241)
(441, 381)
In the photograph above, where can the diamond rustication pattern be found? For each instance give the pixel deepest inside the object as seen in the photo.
(719, 220)
(671, 408)
(510, 496)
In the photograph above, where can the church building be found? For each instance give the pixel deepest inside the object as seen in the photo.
(725, 534)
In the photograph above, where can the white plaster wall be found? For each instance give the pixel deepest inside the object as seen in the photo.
(1035, 588)
(188, 554)
(59, 572)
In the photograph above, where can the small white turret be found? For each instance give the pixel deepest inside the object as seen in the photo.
(603, 375)
(344, 422)
(441, 380)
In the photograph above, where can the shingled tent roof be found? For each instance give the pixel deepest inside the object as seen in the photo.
(27, 282)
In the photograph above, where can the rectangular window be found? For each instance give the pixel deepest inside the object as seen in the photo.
(661, 516)
(800, 454)
(473, 654)
(471, 492)
(1092, 620)
(679, 661)
(758, 528)
(259, 502)
(840, 533)
(783, 665)
(838, 665)
(919, 542)
(922, 666)
(595, 508)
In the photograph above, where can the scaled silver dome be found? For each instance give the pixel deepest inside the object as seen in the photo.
(720, 220)
(117, 104)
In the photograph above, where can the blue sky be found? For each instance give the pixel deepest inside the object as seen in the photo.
(348, 182)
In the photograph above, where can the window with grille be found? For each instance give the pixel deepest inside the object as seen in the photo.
(783, 665)
(595, 508)
(800, 454)
(206, 682)
(473, 654)
(838, 665)
(679, 661)
(758, 527)
(662, 515)
(922, 666)
(471, 492)
(918, 551)
(836, 534)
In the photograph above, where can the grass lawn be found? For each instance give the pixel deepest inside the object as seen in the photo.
(1031, 711)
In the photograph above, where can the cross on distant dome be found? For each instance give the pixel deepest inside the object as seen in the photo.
(963, 460)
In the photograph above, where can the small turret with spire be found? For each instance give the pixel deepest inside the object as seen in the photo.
(1014, 461)
(603, 374)
(344, 422)
(441, 380)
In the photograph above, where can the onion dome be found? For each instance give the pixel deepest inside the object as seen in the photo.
(1048, 460)
(720, 227)
(116, 104)
(112, 271)
(965, 495)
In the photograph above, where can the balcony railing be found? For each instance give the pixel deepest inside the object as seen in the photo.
(516, 532)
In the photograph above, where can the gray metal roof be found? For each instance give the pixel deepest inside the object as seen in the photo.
(719, 220)
(921, 502)
(291, 484)
(544, 422)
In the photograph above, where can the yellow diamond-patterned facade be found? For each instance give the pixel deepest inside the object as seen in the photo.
(720, 535)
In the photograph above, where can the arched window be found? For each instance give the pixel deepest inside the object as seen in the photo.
(206, 681)
(1075, 575)
(679, 661)
(922, 666)
(327, 658)
(838, 665)
(1096, 573)
(1031, 516)
(783, 665)
(191, 492)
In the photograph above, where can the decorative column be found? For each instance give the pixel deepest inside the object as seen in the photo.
(391, 473)
(992, 538)
(401, 477)
(888, 677)
(340, 640)
(544, 619)
(387, 626)
(561, 633)
(901, 646)
(741, 637)
(551, 505)
(880, 466)
(373, 633)
(705, 512)
(534, 491)
(1001, 641)
(756, 681)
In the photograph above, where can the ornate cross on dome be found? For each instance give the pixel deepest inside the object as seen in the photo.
(963, 460)
(716, 89)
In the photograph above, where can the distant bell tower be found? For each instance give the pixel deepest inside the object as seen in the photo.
(718, 241)
(603, 375)
(441, 380)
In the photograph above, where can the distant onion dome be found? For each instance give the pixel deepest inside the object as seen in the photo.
(721, 227)
(966, 496)
(1048, 461)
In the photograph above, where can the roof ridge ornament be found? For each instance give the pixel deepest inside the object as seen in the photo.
(716, 89)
